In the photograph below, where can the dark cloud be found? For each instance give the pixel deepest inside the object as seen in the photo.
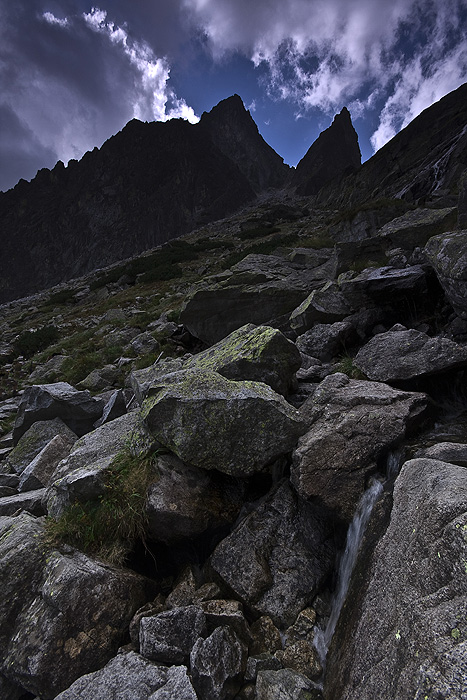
(71, 76)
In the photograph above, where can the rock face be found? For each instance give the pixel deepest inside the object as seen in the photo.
(278, 556)
(352, 423)
(403, 354)
(408, 640)
(334, 154)
(66, 606)
(448, 255)
(238, 428)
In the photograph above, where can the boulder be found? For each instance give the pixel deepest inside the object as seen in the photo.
(414, 228)
(301, 656)
(47, 372)
(260, 289)
(35, 439)
(401, 354)
(141, 380)
(453, 452)
(185, 501)
(265, 637)
(385, 285)
(128, 676)
(143, 344)
(403, 632)
(324, 305)
(218, 664)
(327, 340)
(100, 379)
(286, 685)
(238, 428)
(170, 636)
(39, 472)
(226, 613)
(31, 501)
(255, 353)
(448, 255)
(262, 662)
(43, 402)
(80, 476)
(279, 556)
(64, 607)
(352, 423)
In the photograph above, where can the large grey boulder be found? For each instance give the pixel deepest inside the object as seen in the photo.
(129, 676)
(403, 634)
(170, 636)
(259, 289)
(64, 607)
(238, 428)
(414, 228)
(256, 353)
(385, 284)
(277, 558)
(401, 354)
(35, 439)
(39, 472)
(351, 424)
(184, 501)
(78, 409)
(218, 664)
(448, 255)
(284, 684)
(80, 476)
(327, 340)
(453, 452)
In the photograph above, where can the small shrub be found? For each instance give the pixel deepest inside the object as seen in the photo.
(64, 296)
(30, 342)
(346, 366)
(108, 528)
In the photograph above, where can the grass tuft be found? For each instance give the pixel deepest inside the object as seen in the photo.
(109, 527)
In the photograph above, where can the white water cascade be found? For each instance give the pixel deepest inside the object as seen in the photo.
(355, 533)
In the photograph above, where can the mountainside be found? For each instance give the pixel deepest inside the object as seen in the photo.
(233, 467)
(421, 163)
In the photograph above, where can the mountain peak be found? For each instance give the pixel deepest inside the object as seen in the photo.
(335, 153)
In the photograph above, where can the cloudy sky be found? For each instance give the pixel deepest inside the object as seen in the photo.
(73, 73)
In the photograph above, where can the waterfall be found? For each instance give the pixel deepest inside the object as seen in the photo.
(355, 533)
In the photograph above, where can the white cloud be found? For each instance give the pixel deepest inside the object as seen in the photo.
(326, 53)
(153, 94)
(51, 19)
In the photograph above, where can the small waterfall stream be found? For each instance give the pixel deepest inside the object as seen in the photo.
(355, 533)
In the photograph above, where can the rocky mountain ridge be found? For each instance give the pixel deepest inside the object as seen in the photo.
(191, 437)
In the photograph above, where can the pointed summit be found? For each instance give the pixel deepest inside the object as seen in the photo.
(234, 132)
(335, 153)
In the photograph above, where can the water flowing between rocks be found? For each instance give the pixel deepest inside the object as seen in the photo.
(323, 637)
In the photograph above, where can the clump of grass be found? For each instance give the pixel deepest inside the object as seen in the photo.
(30, 342)
(108, 528)
(63, 296)
(346, 366)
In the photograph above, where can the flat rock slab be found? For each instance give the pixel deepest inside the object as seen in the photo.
(404, 632)
(31, 501)
(351, 424)
(401, 354)
(277, 558)
(78, 409)
(259, 289)
(448, 255)
(238, 428)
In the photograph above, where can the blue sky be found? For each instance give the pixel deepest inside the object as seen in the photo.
(73, 73)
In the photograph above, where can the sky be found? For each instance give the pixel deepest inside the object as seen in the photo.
(73, 73)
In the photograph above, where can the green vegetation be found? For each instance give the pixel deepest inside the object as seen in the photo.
(108, 527)
(30, 342)
(63, 296)
(346, 366)
(381, 203)
(258, 232)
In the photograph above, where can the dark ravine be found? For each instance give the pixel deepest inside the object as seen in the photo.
(189, 437)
